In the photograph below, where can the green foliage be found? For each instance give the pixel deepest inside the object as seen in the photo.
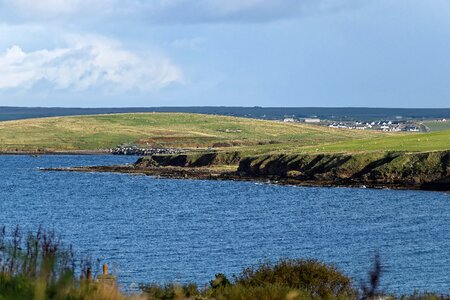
(34, 265)
(266, 292)
(219, 282)
(39, 266)
(165, 292)
(287, 279)
(316, 278)
(16, 287)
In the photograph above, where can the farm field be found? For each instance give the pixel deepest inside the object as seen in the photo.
(411, 142)
(249, 136)
(162, 130)
(437, 126)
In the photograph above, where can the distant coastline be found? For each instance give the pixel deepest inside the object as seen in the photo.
(268, 113)
(179, 145)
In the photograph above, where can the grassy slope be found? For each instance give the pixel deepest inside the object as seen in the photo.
(249, 136)
(437, 126)
(164, 129)
(412, 142)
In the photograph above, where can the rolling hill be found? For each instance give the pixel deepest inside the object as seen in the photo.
(164, 130)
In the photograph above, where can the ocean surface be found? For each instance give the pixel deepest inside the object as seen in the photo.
(165, 230)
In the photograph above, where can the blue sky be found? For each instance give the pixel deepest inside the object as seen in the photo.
(97, 53)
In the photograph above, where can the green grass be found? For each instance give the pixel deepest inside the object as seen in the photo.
(437, 126)
(412, 142)
(162, 129)
(248, 136)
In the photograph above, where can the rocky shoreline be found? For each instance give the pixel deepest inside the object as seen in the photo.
(206, 173)
(394, 170)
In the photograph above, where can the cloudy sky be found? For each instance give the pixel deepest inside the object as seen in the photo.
(94, 53)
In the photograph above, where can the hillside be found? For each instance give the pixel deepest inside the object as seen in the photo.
(412, 142)
(437, 125)
(248, 136)
(165, 130)
(245, 148)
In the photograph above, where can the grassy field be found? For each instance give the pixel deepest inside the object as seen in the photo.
(437, 126)
(411, 142)
(250, 136)
(161, 129)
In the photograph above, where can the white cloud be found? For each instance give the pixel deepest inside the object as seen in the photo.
(86, 62)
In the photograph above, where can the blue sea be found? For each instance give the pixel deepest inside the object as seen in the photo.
(167, 230)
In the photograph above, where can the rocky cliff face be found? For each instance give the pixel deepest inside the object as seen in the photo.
(429, 170)
(192, 159)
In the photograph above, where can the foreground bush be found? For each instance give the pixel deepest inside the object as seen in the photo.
(286, 279)
(39, 266)
(313, 277)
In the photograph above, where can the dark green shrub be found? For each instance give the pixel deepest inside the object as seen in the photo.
(317, 278)
(268, 292)
(219, 282)
(169, 291)
(16, 287)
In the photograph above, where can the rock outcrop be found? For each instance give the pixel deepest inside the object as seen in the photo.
(430, 170)
(427, 170)
(192, 159)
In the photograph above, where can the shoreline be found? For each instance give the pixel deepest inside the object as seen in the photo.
(208, 166)
(214, 174)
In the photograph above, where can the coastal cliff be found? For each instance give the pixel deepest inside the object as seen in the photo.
(427, 170)
(191, 159)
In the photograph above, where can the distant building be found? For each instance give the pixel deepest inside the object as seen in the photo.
(412, 129)
(312, 120)
(289, 120)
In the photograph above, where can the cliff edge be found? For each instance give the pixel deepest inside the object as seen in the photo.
(429, 170)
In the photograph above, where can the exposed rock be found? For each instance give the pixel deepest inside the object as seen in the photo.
(194, 159)
(430, 170)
